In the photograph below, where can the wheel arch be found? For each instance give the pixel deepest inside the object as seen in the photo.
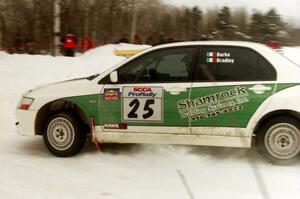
(55, 106)
(269, 116)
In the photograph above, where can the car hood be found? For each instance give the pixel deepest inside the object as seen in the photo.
(68, 88)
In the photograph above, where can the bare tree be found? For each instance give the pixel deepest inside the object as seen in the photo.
(56, 26)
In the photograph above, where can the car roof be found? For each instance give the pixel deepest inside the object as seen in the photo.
(215, 43)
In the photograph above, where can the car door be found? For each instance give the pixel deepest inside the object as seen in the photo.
(230, 84)
(144, 100)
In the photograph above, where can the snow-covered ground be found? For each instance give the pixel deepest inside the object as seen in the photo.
(28, 170)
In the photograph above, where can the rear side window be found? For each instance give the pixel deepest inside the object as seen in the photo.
(233, 64)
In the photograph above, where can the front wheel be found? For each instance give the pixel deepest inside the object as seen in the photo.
(279, 140)
(63, 135)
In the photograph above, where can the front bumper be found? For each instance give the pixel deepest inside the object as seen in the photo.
(25, 122)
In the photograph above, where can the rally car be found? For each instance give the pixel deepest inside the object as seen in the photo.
(213, 93)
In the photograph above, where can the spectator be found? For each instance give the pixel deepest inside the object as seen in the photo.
(69, 44)
(273, 44)
(137, 40)
(161, 39)
(150, 40)
(86, 44)
(170, 40)
(123, 39)
(18, 43)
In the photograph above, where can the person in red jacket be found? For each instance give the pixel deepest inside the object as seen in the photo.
(86, 44)
(273, 44)
(69, 44)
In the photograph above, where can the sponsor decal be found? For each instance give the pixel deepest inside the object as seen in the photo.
(141, 92)
(218, 57)
(111, 93)
(214, 104)
(115, 126)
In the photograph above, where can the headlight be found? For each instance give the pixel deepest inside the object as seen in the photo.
(25, 103)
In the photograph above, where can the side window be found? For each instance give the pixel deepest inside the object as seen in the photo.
(166, 65)
(233, 64)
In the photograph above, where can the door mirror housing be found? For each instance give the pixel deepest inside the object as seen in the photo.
(113, 77)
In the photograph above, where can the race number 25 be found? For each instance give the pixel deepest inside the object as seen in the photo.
(142, 104)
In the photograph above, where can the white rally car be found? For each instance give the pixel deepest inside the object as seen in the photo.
(195, 93)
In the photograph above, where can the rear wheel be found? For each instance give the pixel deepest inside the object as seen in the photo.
(63, 135)
(279, 140)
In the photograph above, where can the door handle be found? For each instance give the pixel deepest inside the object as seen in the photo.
(176, 91)
(260, 89)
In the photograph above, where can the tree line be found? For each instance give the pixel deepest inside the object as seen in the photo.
(141, 21)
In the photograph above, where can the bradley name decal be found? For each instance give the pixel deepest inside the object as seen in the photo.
(218, 57)
(214, 104)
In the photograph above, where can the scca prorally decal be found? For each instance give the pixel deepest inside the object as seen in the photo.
(218, 57)
(214, 104)
(142, 92)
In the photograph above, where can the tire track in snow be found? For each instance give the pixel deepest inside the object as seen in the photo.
(185, 184)
(259, 178)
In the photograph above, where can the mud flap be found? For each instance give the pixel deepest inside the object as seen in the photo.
(93, 133)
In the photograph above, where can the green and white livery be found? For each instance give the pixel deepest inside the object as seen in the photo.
(195, 93)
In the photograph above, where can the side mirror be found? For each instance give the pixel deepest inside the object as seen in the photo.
(113, 77)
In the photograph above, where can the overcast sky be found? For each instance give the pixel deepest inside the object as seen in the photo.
(290, 9)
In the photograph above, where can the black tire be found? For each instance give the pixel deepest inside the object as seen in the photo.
(64, 135)
(278, 140)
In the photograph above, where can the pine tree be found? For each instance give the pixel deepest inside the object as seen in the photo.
(224, 24)
(273, 25)
(256, 27)
(266, 27)
(187, 23)
(196, 23)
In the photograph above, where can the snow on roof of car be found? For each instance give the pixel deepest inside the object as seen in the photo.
(227, 43)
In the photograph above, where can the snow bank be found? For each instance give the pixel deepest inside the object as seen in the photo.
(125, 46)
(106, 50)
(19, 73)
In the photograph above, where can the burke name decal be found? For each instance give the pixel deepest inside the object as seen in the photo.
(217, 57)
